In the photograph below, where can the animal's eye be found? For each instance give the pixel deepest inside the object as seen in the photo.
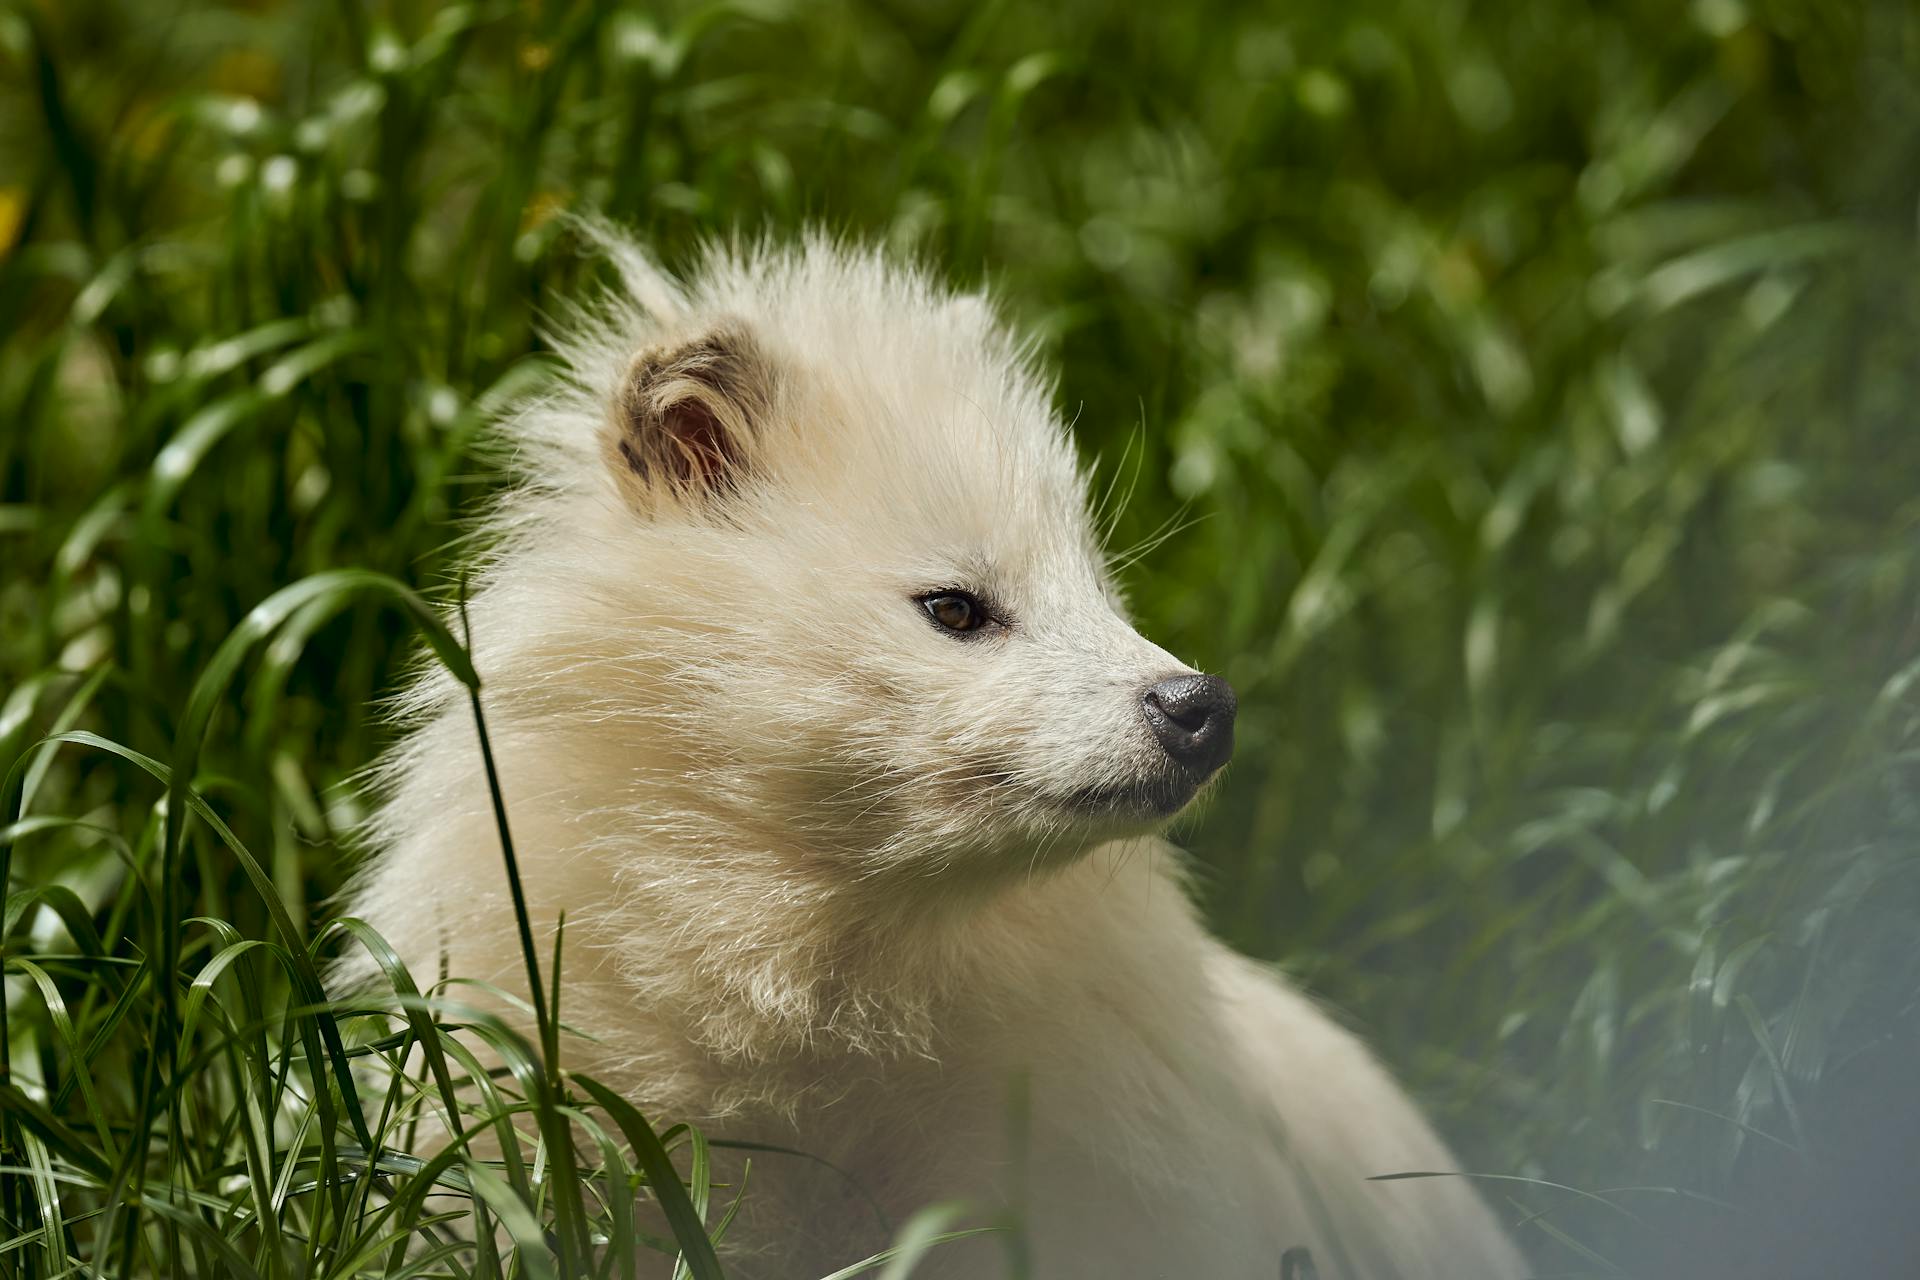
(955, 611)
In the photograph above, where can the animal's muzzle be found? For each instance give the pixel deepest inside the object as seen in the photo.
(1192, 716)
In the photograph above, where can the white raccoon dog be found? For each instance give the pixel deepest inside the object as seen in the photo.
(818, 713)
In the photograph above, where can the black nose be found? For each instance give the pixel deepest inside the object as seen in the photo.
(1193, 718)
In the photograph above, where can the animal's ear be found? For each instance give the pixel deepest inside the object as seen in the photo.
(684, 419)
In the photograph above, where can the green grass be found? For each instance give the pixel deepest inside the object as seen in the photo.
(1535, 384)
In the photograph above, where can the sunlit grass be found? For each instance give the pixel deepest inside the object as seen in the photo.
(1535, 394)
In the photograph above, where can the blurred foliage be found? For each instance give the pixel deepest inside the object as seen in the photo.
(1527, 389)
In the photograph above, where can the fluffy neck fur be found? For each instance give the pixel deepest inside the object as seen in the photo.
(700, 945)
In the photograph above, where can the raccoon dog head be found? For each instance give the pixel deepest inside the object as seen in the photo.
(865, 599)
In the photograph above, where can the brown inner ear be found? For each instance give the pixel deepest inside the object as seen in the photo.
(702, 451)
(683, 415)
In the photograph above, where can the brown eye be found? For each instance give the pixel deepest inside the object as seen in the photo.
(955, 611)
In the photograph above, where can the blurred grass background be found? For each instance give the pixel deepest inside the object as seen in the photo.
(1531, 385)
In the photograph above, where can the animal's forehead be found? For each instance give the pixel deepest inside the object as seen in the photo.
(914, 394)
(941, 467)
(952, 443)
(908, 406)
(868, 330)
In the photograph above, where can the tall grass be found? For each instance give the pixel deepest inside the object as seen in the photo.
(1530, 390)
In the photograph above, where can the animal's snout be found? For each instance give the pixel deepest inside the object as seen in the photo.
(1192, 715)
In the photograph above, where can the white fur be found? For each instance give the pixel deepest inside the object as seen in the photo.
(824, 879)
